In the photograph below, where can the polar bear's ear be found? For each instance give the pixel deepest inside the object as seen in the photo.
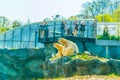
(55, 44)
(61, 39)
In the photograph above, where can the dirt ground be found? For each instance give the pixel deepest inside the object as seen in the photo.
(93, 77)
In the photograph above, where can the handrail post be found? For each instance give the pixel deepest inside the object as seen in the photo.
(54, 32)
(87, 28)
(36, 34)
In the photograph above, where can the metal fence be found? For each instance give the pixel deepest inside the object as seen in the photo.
(22, 37)
(27, 36)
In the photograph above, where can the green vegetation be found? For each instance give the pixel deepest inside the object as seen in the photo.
(2, 29)
(86, 57)
(6, 25)
(116, 15)
(81, 57)
(16, 24)
(113, 75)
(73, 18)
(101, 37)
(104, 17)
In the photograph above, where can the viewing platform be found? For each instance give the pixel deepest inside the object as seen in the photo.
(52, 32)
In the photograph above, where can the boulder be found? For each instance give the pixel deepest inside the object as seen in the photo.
(67, 66)
(115, 65)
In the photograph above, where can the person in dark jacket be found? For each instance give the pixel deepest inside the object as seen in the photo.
(75, 28)
(62, 28)
(46, 31)
(82, 28)
(42, 29)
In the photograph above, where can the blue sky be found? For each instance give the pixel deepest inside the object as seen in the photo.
(37, 10)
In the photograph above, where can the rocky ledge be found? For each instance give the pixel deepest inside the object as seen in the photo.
(29, 64)
(80, 65)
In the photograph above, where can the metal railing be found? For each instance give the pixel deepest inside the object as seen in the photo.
(54, 30)
(29, 36)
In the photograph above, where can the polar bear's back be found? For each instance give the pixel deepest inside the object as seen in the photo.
(74, 46)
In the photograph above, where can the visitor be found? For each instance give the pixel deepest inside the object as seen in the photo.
(46, 34)
(75, 28)
(82, 28)
(62, 28)
(42, 29)
(70, 31)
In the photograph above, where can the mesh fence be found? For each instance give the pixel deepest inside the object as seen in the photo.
(27, 35)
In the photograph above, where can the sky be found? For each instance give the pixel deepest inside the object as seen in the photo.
(37, 10)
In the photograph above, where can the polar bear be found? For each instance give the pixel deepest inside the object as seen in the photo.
(60, 49)
(70, 48)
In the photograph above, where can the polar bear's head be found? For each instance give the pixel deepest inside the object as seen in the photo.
(63, 41)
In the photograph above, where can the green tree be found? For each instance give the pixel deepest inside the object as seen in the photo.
(16, 24)
(104, 18)
(4, 22)
(97, 7)
(58, 17)
(106, 33)
(3, 29)
(116, 15)
(47, 19)
(73, 18)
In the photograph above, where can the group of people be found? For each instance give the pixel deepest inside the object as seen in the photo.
(70, 31)
(65, 31)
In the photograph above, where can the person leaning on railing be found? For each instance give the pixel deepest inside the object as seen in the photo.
(46, 34)
(75, 28)
(82, 28)
(42, 28)
(63, 28)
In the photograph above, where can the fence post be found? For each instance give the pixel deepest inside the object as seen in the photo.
(21, 37)
(87, 26)
(4, 39)
(107, 51)
(54, 32)
(29, 36)
(12, 38)
(36, 38)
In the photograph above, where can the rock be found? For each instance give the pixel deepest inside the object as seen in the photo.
(85, 67)
(7, 70)
(49, 50)
(60, 67)
(87, 53)
(35, 66)
(66, 67)
(115, 65)
(32, 63)
(102, 68)
(21, 64)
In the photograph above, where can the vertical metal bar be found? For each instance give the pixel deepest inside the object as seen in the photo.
(4, 40)
(106, 51)
(54, 32)
(29, 34)
(71, 30)
(35, 38)
(21, 37)
(12, 38)
(87, 28)
(117, 50)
